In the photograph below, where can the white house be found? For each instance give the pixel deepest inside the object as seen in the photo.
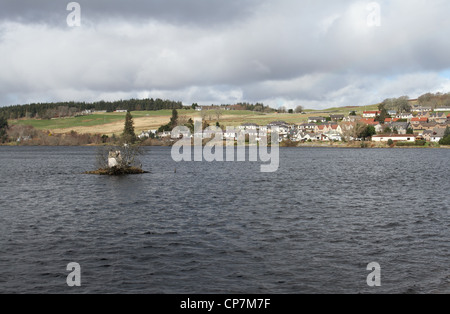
(307, 127)
(263, 129)
(280, 129)
(371, 114)
(443, 109)
(392, 113)
(407, 116)
(437, 135)
(352, 118)
(422, 109)
(335, 137)
(182, 134)
(230, 134)
(165, 134)
(316, 119)
(394, 138)
(311, 136)
(249, 126)
(144, 135)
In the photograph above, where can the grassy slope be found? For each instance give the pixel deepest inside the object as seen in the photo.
(108, 123)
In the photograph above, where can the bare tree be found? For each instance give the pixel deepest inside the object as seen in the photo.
(351, 130)
(210, 114)
(299, 109)
(127, 156)
(182, 120)
(204, 114)
(63, 111)
(72, 111)
(402, 104)
(218, 112)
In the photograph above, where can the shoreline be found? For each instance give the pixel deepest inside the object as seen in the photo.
(371, 145)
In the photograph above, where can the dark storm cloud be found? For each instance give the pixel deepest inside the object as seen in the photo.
(286, 52)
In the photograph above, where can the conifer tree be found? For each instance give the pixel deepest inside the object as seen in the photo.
(174, 119)
(3, 128)
(128, 133)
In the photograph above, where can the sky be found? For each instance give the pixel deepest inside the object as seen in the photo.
(317, 54)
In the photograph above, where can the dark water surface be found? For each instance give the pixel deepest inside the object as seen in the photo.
(311, 227)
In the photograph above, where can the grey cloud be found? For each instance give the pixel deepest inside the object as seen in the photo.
(315, 52)
(196, 12)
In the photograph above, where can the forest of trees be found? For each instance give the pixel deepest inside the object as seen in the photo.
(67, 109)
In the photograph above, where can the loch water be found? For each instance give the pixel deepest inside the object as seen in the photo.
(224, 227)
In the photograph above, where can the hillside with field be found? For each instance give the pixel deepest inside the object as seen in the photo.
(112, 123)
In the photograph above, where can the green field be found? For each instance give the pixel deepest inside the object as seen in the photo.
(91, 120)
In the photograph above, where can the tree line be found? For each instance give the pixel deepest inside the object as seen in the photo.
(403, 104)
(67, 109)
(435, 100)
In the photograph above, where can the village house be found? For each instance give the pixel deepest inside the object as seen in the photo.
(443, 109)
(299, 136)
(406, 116)
(335, 128)
(314, 137)
(400, 127)
(418, 120)
(121, 111)
(308, 137)
(182, 134)
(427, 126)
(147, 134)
(369, 121)
(86, 112)
(394, 138)
(144, 135)
(371, 114)
(279, 126)
(230, 134)
(335, 137)
(337, 117)
(420, 109)
(352, 118)
(317, 120)
(323, 128)
(328, 128)
(307, 127)
(378, 126)
(249, 126)
(434, 135)
(263, 129)
(249, 131)
(390, 120)
(427, 135)
(165, 134)
(392, 113)
(438, 117)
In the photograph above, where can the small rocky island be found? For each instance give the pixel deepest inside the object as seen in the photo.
(119, 161)
(123, 159)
